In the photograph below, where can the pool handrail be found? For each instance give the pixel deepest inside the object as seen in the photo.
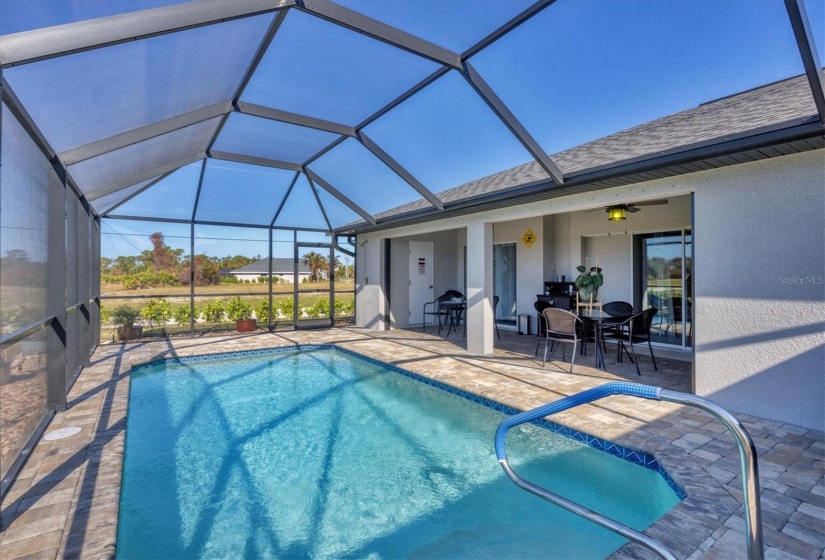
(747, 454)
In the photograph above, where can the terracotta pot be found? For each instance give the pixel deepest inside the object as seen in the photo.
(249, 325)
(129, 333)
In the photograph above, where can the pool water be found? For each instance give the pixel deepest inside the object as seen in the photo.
(318, 454)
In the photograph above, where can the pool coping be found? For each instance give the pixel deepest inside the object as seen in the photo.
(631, 455)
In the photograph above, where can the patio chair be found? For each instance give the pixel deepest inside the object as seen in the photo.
(540, 306)
(656, 302)
(635, 330)
(673, 314)
(614, 308)
(495, 306)
(438, 310)
(562, 327)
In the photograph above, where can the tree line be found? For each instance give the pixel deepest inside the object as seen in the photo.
(162, 266)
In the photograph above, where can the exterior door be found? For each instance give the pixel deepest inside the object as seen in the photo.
(421, 280)
(504, 282)
(314, 286)
(664, 282)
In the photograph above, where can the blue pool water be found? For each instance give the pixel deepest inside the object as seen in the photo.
(318, 454)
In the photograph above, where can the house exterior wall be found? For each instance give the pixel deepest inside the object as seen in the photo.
(760, 311)
(759, 228)
(529, 260)
(445, 275)
(285, 277)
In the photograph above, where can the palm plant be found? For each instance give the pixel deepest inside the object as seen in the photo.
(315, 262)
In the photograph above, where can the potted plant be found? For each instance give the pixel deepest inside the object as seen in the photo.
(589, 282)
(124, 318)
(241, 312)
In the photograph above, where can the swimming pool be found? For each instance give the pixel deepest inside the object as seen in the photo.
(317, 453)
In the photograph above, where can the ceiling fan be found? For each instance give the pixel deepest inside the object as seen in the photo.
(618, 212)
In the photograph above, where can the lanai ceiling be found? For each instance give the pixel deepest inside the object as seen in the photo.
(313, 114)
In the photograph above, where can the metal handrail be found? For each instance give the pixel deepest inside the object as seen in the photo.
(747, 452)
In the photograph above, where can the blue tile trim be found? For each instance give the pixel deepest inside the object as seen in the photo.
(634, 456)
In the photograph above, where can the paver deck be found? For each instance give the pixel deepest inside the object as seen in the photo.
(64, 503)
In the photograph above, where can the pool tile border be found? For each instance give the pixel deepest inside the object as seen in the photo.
(634, 456)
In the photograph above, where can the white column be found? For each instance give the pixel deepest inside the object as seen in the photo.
(480, 288)
(369, 293)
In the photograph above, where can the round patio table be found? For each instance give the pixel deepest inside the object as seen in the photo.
(598, 318)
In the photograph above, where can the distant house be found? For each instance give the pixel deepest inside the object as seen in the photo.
(281, 268)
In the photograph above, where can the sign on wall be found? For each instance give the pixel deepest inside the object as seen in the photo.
(528, 238)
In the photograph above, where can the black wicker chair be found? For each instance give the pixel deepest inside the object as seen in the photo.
(635, 330)
(618, 308)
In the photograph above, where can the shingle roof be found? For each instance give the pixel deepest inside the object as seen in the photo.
(279, 266)
(775, 103)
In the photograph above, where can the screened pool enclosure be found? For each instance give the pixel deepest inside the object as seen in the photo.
(202, 160)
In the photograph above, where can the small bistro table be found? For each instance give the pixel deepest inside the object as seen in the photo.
(455, 311)
(598, 318)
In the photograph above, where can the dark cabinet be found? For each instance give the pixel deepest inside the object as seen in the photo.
(568, 303)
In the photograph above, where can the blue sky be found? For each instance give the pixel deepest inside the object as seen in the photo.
(578, 71)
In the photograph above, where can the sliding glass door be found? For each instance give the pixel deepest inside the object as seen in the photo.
(504, 282)
(663, 281)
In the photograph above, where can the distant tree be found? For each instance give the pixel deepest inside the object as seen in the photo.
(161, 254)
(235, 262)
(206, 272)
(126, 265)
(316, 263)
(106, 265)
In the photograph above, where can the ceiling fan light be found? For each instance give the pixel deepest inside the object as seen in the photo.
(616, 214)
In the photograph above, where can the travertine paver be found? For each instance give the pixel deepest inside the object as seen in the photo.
(65, 500)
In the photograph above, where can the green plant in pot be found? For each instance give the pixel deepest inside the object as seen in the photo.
(589, 282)
(240, 311)
(124, 318)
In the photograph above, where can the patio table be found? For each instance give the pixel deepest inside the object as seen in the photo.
(456, 311)
(598, 318)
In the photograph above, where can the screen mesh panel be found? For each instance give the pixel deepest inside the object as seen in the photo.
(107, 91)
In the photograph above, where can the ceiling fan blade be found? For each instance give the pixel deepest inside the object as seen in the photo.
(594, 210)
(633, 209)
(650, 202)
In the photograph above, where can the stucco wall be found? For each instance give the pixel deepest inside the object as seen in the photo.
(760, 310)
(529, 260)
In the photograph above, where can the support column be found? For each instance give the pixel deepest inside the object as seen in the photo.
(56, 295)
(480, 288)
(95, 271)
(369, 291)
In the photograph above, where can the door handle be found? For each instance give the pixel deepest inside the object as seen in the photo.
(431, 287)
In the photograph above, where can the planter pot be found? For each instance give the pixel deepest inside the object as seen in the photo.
(249, 325)
(129, 333)
(584, 295)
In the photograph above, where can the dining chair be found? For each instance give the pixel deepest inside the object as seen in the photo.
(562, 327)
(655, 301)
(635, 330)
(438, 310)
(540, 306)
(617, 308)
(673, 314)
